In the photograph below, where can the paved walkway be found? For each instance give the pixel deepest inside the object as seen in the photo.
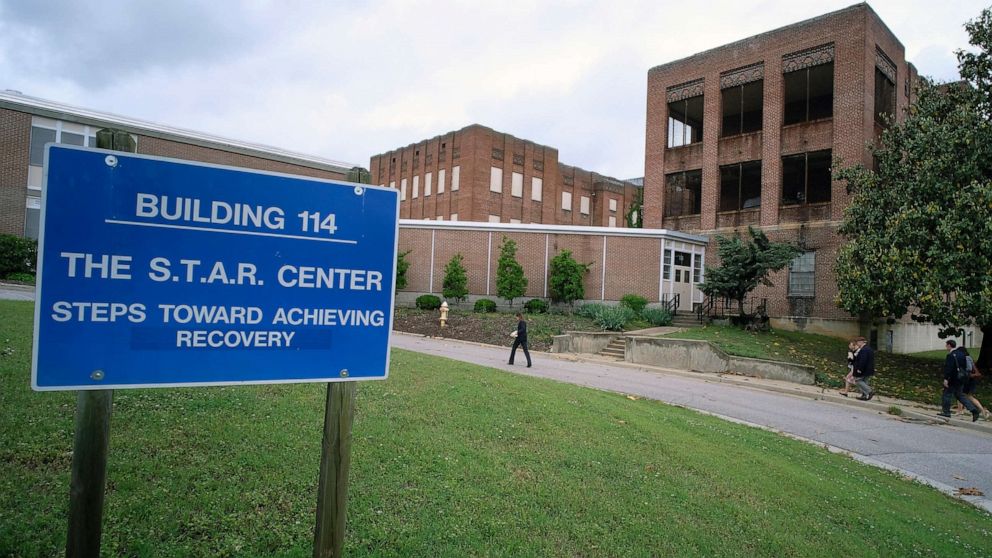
(14, 291)
(946, 457)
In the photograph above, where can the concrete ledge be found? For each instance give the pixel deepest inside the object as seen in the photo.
(584, 342)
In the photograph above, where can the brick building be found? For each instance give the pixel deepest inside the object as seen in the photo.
(28, 123)
(479, 174)
(747, 133)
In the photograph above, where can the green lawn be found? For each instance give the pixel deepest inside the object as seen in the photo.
(911, 377)
(452, 459)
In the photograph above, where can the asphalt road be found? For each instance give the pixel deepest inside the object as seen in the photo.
(943, 456)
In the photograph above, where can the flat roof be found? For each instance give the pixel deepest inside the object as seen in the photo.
(552, 229)
(50, 109)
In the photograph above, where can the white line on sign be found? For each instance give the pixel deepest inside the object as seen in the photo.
(205, 229)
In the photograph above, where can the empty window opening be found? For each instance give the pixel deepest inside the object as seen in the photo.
(806, 178)
(740, 186)
(885, 98)
(685, 121)
(682, 193)
(742, 108)
(809, 93)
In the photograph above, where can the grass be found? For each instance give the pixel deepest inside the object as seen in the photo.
(452, 459)
(909, 377)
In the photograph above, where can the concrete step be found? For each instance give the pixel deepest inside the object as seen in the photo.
(612, 353)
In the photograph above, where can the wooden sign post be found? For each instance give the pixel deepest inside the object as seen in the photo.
(335, 461)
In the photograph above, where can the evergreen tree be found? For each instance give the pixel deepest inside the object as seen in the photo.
(455, 286)
(565, 278)
(510, 280)
(744, 264)
(635, 215)
(401, 266)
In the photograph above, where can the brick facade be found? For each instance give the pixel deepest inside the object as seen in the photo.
(855, 41)
(475, 150)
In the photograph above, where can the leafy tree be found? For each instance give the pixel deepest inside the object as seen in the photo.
(920, 222)
(744, 264)
(635, 214)
(401, 266)
(455, 286)
(565, 278)
(510, 280)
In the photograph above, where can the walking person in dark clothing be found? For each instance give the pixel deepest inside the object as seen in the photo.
(954, 380)
(520, 339)
(864, 368)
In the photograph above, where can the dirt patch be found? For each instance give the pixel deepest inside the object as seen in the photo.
(491, 328)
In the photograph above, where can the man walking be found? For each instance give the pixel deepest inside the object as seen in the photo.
(520, 340)
(954, 382)
(864, 368)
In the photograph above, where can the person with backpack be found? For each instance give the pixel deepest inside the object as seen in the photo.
(956, 374)
(972, 384)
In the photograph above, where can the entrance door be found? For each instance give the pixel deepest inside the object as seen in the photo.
(682, 279)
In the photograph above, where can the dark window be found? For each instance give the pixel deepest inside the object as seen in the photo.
(685, 121)
(682, 190)
(742, 108)
(72, 139)
(885, 98)
(740, 186)
(806, 178)
(39, 137)
(31, 223)
(809, 93)
(683, 259)
(802, 275)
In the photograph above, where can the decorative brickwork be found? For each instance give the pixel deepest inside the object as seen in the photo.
(685, 90)
(808, 58)
(740, 76)
(883, 63)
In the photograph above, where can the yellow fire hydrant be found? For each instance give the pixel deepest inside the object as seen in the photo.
(444, 314)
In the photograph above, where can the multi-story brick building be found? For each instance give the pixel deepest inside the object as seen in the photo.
(479, 174)
(28, 123)
(747, 134)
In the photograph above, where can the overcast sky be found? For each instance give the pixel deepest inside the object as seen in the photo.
(346, 80)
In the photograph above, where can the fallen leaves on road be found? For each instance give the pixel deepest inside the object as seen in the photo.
(971, 491)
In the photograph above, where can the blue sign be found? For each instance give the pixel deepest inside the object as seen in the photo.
(155, 272)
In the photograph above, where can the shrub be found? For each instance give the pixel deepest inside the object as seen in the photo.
(428, 302)
(634, 302)
(21, 278)
(455, 286)
(536, 306)
(510, 280)
(484, 305)
(590, 310)
(614, 318)
(17, 255)
(565, 278)
(656, 316)
(401, 266)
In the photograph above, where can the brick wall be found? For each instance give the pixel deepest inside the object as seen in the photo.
(15, 137)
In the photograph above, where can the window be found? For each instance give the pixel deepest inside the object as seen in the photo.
(682, 190)
(517, 185)
(514, 221)
(536, 189)
(683, 259)
(455, 173)
(740, 186)
(566, 201)
(685, 121)
(32, 217)
(806, 178)
(496, 179)
(802, 275)
(613, 221)
(697, 268)
(440, 217)
(584, 205)
(666, 269)
(440, 181)
(428, 179)
(403, 189)
(742, 108)
(809, 93)
(416, 186)
(454, 216)
(885, 98)
(613, 204)
(39, 137)
(494, 218)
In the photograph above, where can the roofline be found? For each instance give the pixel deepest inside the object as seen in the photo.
(552, 229)
(61, 111)
(765, 34)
